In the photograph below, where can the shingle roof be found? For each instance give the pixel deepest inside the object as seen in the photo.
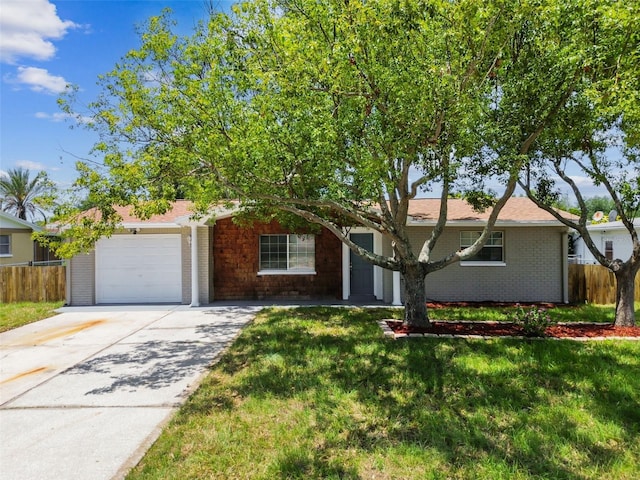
(519, 210)
(516, 210)
(180, 214)
(181, 210)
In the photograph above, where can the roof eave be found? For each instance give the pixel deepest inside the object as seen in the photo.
(148, 225)
(476, 223)
(19, 221)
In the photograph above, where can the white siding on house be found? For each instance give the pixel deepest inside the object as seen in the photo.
(603, 232)
(387, 275)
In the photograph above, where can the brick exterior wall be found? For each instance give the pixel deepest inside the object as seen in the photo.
(236, 264)
(83, 279)
(203, 265)
(533, 270)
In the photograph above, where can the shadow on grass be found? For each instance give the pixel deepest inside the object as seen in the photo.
(529, 407)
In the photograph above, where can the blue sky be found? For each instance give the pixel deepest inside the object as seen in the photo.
(47, 44)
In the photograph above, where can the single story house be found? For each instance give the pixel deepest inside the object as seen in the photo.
(611, 238)
(16, 245)
(171, 259)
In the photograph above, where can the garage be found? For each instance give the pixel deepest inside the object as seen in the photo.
(139, 269)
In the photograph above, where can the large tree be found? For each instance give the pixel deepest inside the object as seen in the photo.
(600, 138)
(26, 197)
(338, 112)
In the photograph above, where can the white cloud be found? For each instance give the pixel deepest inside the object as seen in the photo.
(40, 80)
(586, 186)
(54, 117)
(60, 117)
(581, 181)
(29, 165)
(26, 28)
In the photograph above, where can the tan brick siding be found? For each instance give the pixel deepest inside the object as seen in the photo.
(186, 265)
(236, 265)
(533, 271)
(83, 279)
(203, 265)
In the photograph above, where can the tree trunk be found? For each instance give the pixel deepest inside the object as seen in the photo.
(415, 298)
(625, 292)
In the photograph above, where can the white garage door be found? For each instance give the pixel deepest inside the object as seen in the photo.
(139, 269)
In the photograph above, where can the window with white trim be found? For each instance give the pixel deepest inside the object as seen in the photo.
(287, 254)
(5, 245)
(493, 250)
(608, 249)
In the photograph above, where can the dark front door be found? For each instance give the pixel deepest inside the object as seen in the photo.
(361, 271)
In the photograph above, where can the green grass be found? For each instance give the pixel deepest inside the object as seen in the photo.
(561, 313)
(321, 393)
(14, 315)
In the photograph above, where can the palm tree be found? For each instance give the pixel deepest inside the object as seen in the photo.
(20, 195)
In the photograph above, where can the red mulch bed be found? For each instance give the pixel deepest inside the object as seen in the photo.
(507, 329)
(495, 329)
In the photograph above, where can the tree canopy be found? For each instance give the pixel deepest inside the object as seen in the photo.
(340, 112)
(599, 139)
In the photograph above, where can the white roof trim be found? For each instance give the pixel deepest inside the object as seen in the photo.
(479, 223)
(617, 225)
(178, 222)
(187, 222)
(149, 225)
(23, 223)
(213, 215)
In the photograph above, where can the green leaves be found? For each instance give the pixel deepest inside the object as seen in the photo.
(24, 196)
(327, 108)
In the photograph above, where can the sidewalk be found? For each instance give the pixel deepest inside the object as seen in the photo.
(85, 393)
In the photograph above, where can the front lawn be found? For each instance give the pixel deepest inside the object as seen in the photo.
(14, 315)
(561, 313)
(320, 393)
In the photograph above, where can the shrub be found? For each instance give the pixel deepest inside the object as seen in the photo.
(534, 321)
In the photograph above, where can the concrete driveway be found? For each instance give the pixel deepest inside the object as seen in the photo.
(85, 393)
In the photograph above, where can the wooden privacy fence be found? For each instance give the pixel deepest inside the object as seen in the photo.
(594, 284)
(32, 284)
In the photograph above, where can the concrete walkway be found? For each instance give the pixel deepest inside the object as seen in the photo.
(84, 394)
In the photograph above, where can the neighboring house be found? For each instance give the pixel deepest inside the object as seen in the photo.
(171, 259)
(611, 238)
(16, 245)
